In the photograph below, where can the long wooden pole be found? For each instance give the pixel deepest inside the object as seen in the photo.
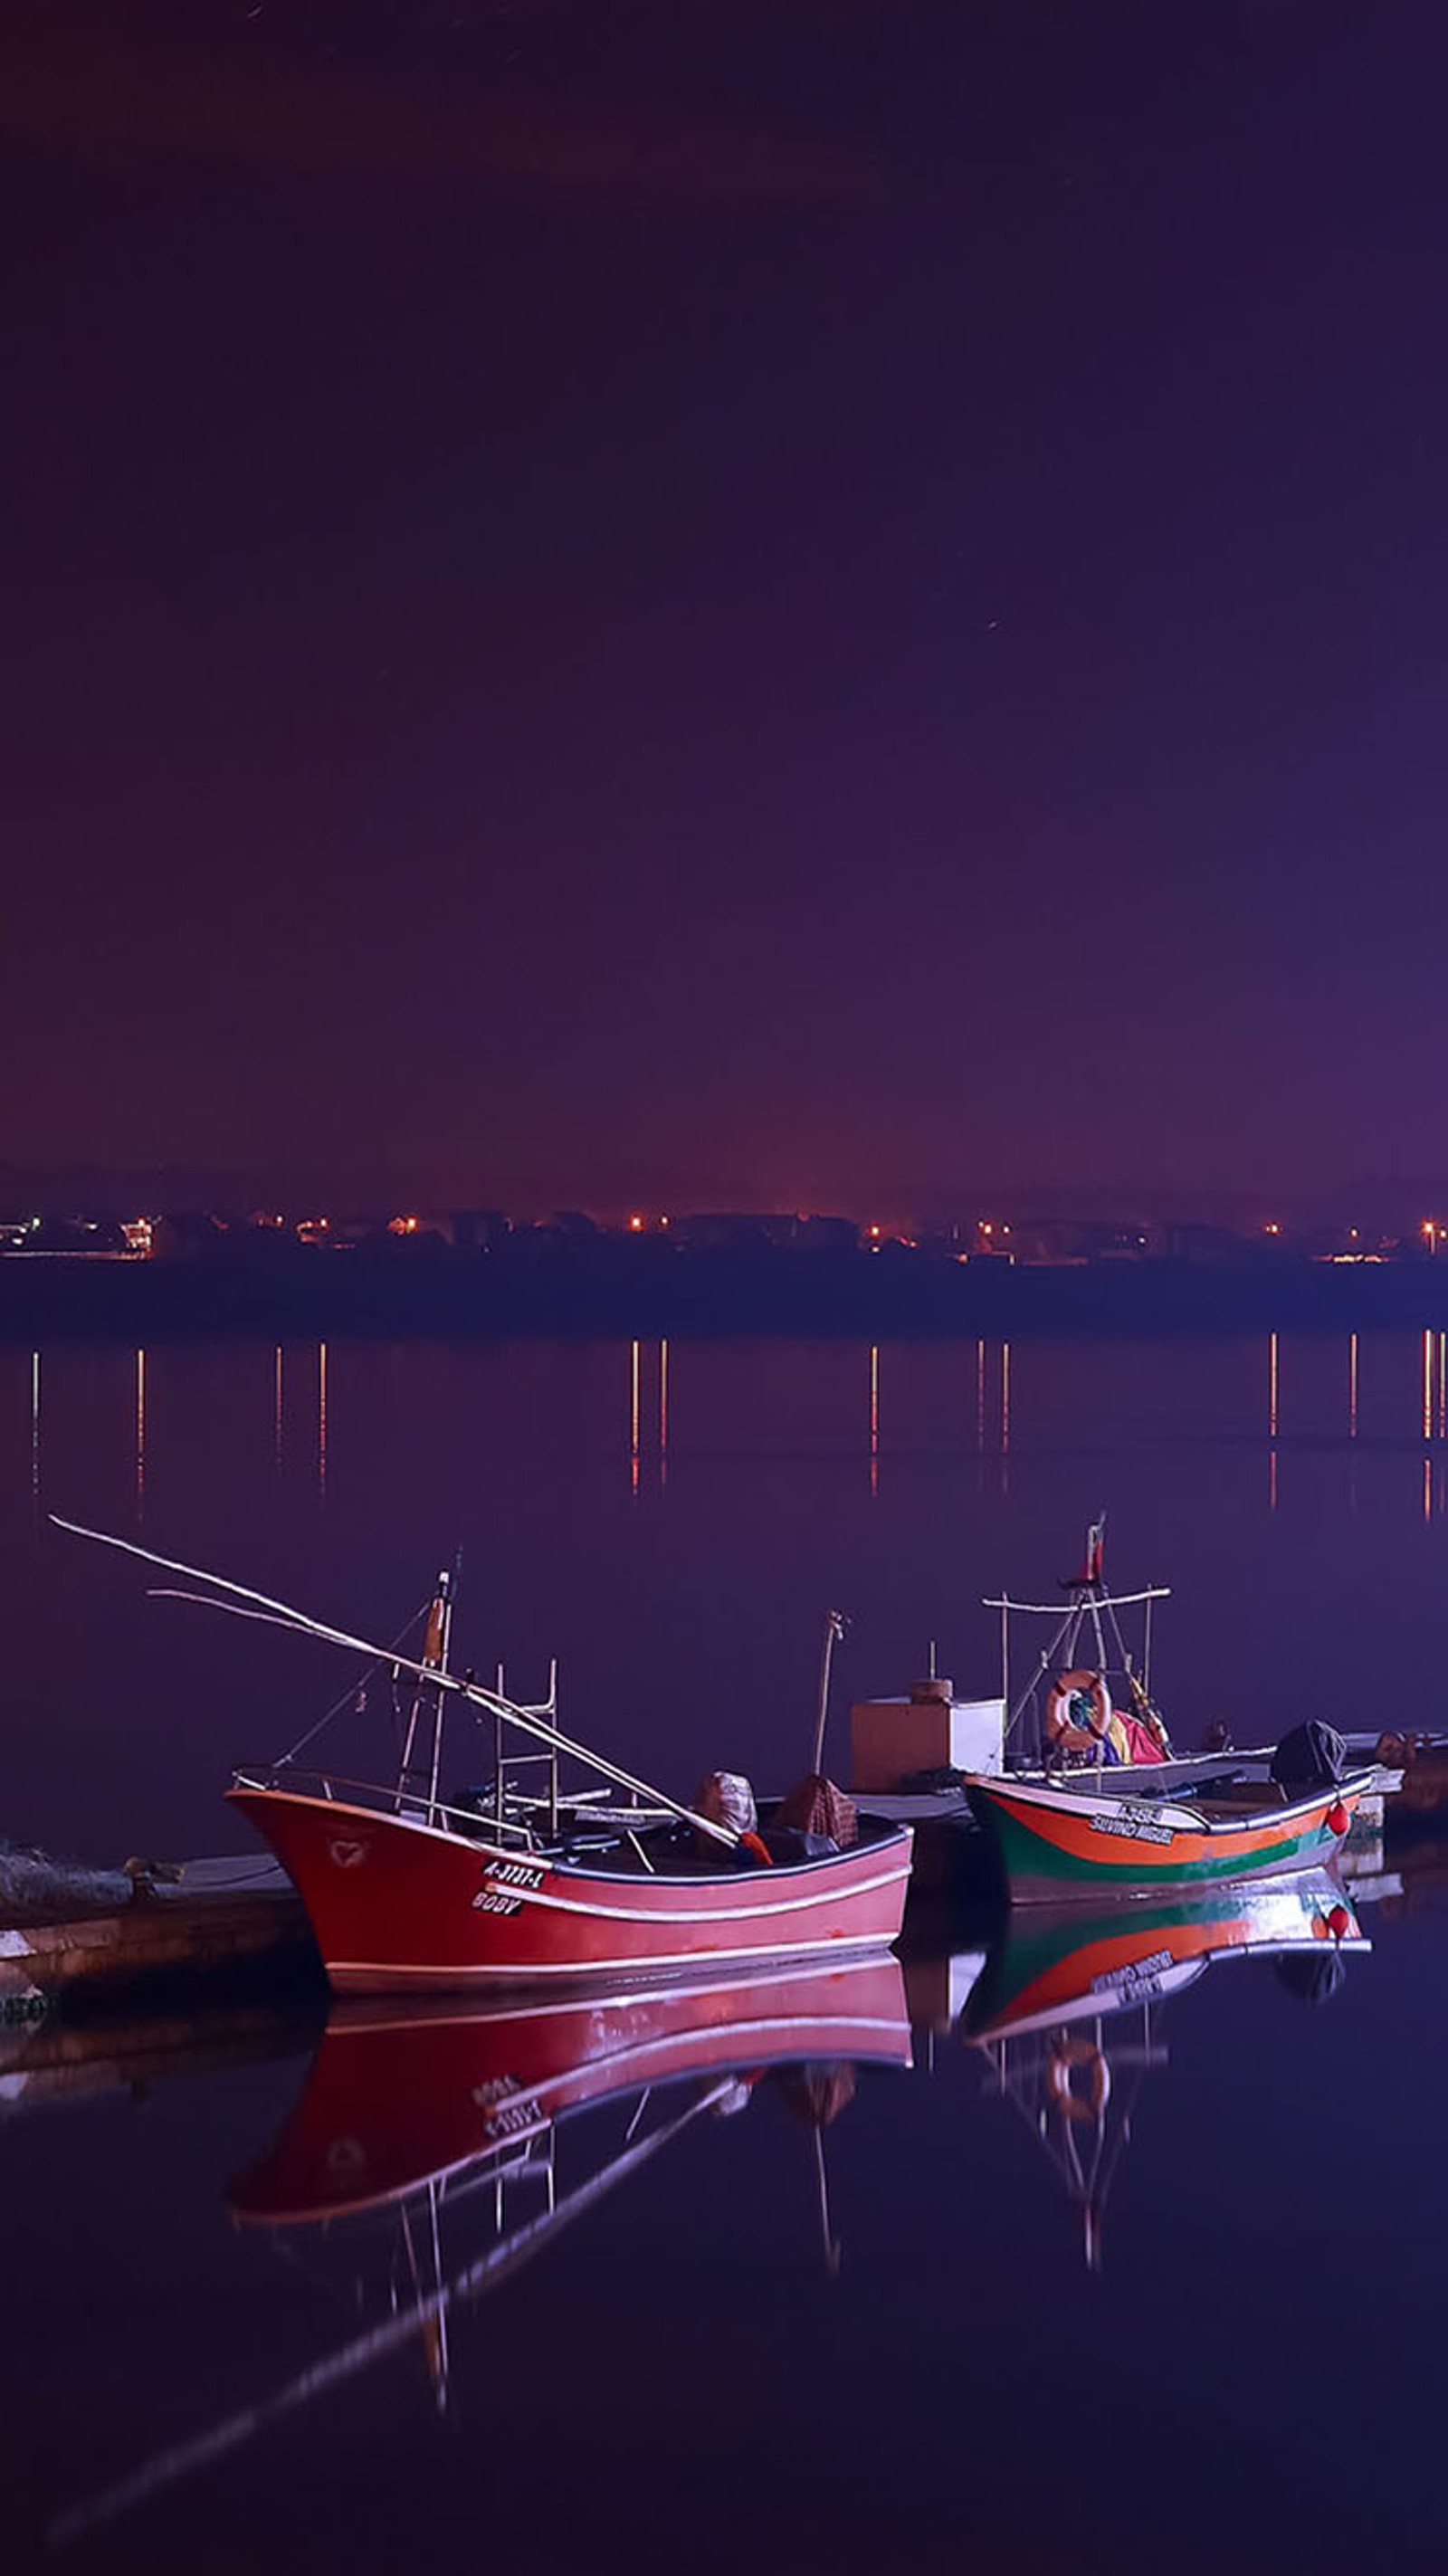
(834, 1629)
(283, 1614)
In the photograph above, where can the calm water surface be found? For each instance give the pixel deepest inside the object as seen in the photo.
(699, 2362)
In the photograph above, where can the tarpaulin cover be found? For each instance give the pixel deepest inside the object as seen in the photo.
(1313, 1756)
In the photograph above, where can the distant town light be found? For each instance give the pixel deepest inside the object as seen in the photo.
(1272, 1229)
(636, 1225)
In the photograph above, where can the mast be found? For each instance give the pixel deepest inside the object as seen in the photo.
(283, 1614)
(433, 1659)
(1088, 1601)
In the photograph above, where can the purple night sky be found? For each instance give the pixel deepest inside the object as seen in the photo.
(766, 602)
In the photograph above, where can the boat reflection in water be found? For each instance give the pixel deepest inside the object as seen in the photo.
(402, 2097)
(441, 2125)
(1068, 2008)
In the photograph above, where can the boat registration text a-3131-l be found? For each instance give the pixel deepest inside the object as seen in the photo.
(496, 1896)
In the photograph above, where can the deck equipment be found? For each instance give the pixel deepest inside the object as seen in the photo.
(407, 1889)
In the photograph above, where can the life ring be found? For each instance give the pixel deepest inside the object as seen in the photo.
(1063, 1733)
(1061, 2065)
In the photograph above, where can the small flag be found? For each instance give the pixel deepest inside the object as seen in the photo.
(1095, 1552)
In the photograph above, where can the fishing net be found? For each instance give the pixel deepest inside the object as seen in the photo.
(815, 1806)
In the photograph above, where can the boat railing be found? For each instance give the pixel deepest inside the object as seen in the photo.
(1098, 1778)
(420, 1808)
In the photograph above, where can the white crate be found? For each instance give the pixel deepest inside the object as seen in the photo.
(890, 1738)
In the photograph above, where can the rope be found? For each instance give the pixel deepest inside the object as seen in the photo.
(379, 1664)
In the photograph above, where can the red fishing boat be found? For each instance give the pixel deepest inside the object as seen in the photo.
(404, 1902)
(408, 1889)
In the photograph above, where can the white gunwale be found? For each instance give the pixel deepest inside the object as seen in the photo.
(825, 1891)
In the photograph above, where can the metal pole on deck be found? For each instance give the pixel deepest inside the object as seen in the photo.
(553, 1752)
(1005, 1659)
(498, 1750)
(439, 1640)
(834, 1629)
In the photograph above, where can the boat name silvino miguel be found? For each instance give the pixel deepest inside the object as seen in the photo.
(1133, 1824)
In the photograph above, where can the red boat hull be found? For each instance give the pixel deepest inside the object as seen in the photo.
(398, 1906)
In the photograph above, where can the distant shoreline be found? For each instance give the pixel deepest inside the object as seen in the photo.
(639, 1292)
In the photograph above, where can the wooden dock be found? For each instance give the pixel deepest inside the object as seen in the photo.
(230, 1922)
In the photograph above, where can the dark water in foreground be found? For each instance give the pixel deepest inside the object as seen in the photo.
(685, 2373)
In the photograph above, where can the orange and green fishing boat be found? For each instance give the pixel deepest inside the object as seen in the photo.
(1093, 1802)
(1057, 1845)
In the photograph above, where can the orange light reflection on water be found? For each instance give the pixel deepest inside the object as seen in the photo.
(874, 1417)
